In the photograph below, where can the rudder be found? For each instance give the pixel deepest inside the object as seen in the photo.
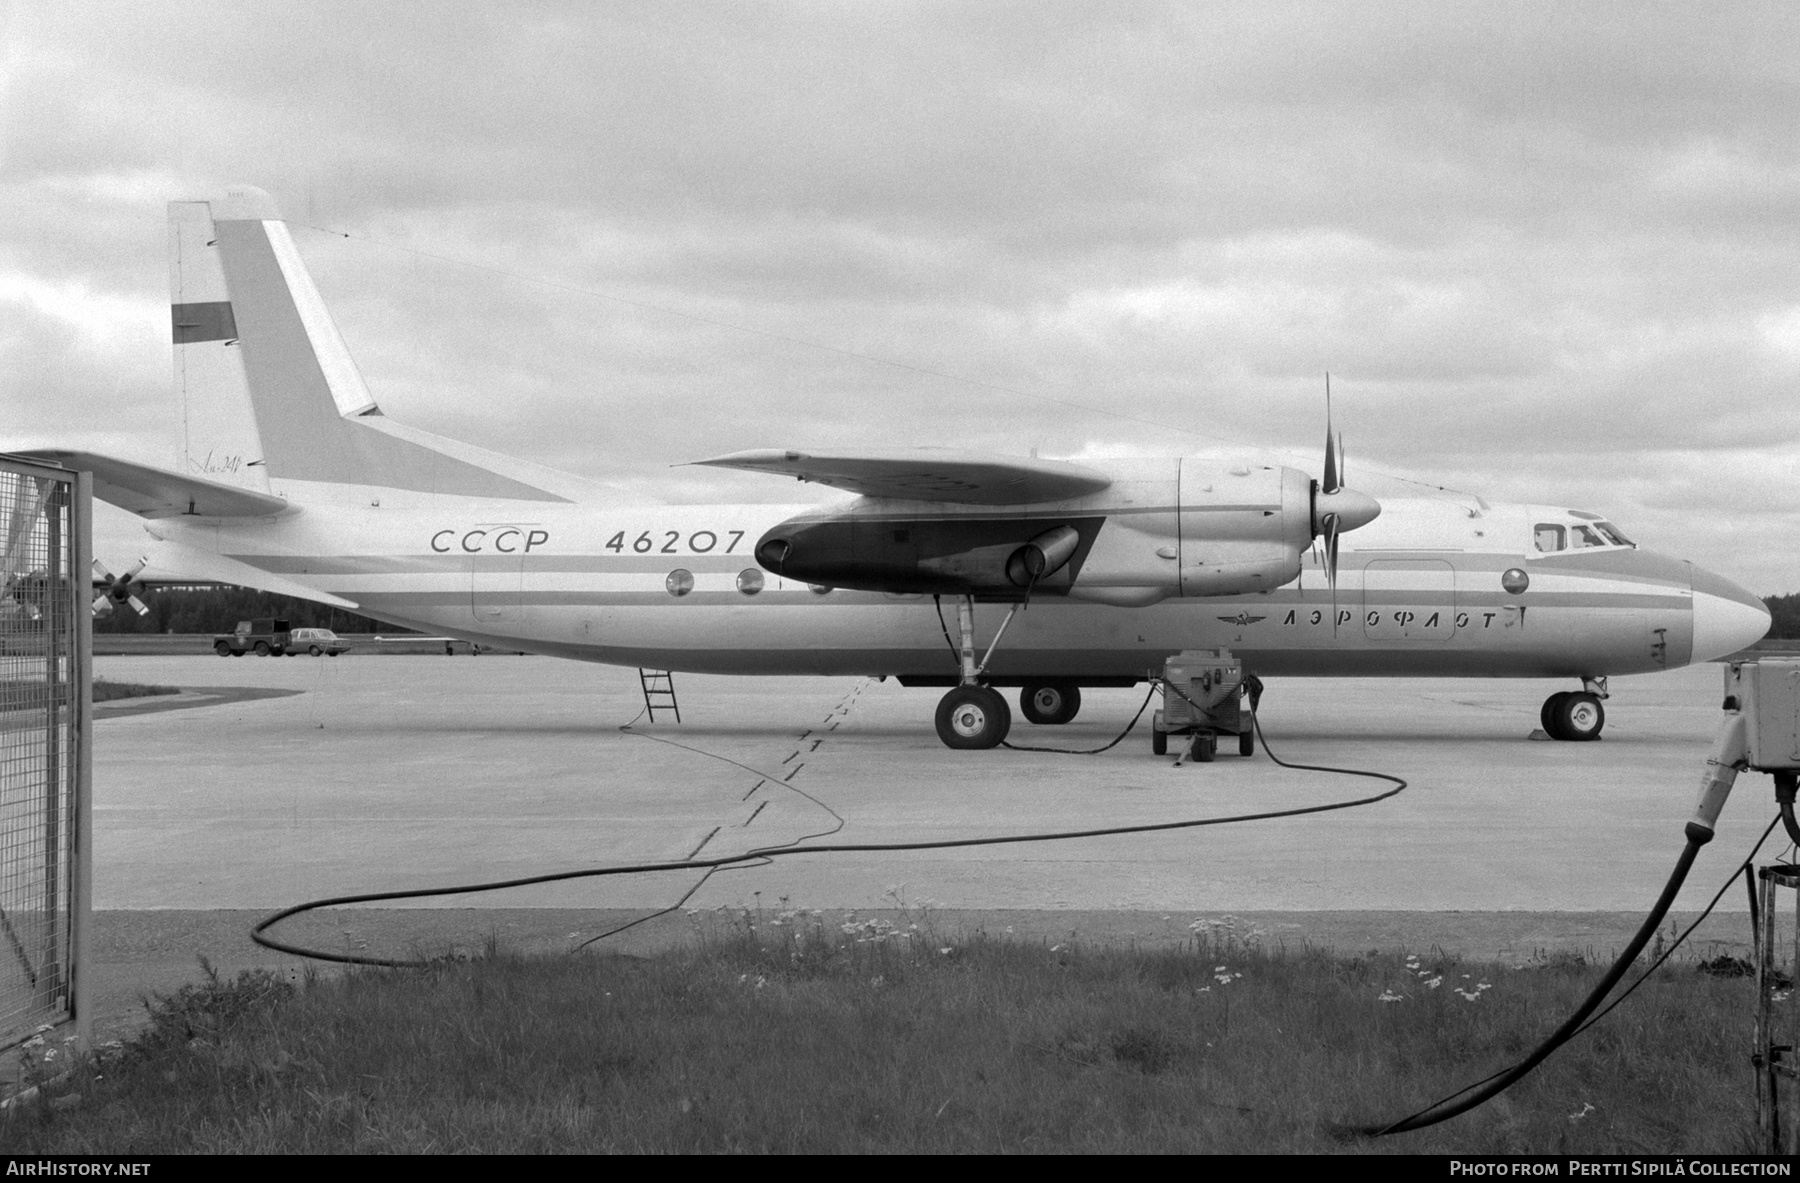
(268, 390)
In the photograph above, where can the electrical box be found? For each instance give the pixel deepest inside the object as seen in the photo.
(1768, 695)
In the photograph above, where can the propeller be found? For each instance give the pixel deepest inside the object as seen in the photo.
(117, 589)
(1336, 508)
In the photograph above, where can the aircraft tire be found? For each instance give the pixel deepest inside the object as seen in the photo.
(1579, 717)
(1050, 702)
(970, 718)
(1547, 713)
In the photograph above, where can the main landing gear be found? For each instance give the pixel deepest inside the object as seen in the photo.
(1050, 702)
(972, 715)
(1575, 715)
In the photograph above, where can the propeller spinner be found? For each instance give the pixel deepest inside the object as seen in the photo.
(117, 589)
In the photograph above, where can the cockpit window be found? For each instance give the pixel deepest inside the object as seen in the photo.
(1551, 537)
(1611, 533)
(1582, 537)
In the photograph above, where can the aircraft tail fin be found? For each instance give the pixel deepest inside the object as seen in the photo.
(269, 393)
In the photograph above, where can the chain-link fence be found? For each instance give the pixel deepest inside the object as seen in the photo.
(45, 709)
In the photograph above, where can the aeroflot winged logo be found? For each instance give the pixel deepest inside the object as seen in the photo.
(1242, 618)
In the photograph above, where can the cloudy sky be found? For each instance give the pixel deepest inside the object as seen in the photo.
(1547, 251)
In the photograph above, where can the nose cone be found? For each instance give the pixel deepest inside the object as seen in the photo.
(1353, 509)
(1726, 617)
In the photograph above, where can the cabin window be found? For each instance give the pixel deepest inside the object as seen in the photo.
(750, 581)
(680, 582)
(1549, 537)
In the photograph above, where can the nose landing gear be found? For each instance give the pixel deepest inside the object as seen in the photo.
(1575, 715)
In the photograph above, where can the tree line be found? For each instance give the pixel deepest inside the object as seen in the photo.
(218, 609)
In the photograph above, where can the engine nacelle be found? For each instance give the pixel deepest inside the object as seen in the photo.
(888, 546)
(1161, 528)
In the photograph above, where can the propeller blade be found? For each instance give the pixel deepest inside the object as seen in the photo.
(1330, 483)
(1343, 464)
(137, 568)
(142, 608)
(101, 573)
(1331, 565)
(102, 605)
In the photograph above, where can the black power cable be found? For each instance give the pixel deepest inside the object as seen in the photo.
(768, 853)
(1615, 1003)
(1577, 1022)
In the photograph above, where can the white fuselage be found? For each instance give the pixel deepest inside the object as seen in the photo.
(1419, 593)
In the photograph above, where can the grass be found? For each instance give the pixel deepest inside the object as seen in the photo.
(781, 1033)
(31, 695)
(105, 691)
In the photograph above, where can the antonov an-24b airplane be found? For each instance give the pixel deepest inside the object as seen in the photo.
(291, 480)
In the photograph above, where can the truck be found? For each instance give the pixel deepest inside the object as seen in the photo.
(261, 637)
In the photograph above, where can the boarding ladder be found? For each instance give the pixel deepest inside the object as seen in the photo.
(659, 693)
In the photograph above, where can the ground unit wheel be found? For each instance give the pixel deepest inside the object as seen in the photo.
(1159, 741)
(1050, 702)
(315, 651)
(1247, 743)
(1204, 747)
(1578, 717)
(262, 648)
(222, 649)
(973, 717)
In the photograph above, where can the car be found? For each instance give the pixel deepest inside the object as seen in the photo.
(265, 638)
(316, 641)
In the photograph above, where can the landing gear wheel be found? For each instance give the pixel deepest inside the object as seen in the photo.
(1247, 743)
(973, 717)
(222, 649)
(1050, 702)
(1159, 742)
(262, 648)
(1547, 712)
(1204, 747)
(1579, 717)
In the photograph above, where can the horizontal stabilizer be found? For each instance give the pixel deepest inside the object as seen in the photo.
(157, 493)
(928, 474)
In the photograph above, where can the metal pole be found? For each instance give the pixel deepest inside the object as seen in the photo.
(81, 817)
(50, 968)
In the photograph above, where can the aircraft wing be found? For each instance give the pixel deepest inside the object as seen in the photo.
(927, 474)
(158, 493)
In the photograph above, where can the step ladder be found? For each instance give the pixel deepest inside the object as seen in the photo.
(659, 693)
